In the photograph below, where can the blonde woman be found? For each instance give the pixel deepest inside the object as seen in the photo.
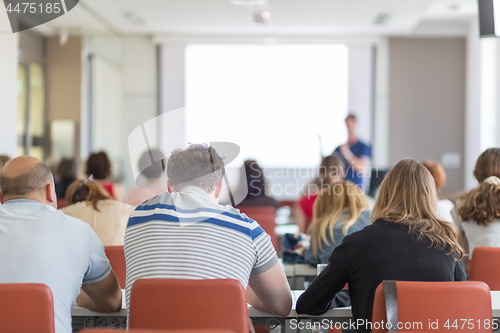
(407, 241)
(477, 213)
(330, 171)
(91, 203)
(339, 210)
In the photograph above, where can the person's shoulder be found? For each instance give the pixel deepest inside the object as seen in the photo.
(68, 221)
(75, 208)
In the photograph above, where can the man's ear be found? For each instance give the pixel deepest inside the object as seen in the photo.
(50, 193)
(1, 197)
(170, 188)
(218, 188)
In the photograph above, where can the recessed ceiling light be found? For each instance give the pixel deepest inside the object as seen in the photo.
(135, 18)
(382, 18)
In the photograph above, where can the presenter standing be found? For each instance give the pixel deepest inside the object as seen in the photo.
(355, 154)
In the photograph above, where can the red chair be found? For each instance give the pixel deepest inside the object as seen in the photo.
(61, 203)
(445, 302)
(116, 257)
(159, 331)
(266, 217)
(485, 266)
(26, 308)
(188, 304)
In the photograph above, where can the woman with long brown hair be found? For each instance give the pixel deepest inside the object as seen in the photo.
(91, 203)
(339, 210)
(407, 241)
(477, 213)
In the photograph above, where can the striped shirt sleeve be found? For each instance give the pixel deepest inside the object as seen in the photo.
(265, 254)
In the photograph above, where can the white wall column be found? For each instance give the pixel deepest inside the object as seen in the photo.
(380, 145)
(8, 92)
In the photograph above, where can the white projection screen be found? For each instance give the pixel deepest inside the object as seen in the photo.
(274, 101)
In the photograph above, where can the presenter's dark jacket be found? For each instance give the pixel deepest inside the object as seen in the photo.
(381, 251)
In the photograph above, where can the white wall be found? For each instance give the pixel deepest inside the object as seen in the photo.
(133, 63)
(360, 88)
(8, 92)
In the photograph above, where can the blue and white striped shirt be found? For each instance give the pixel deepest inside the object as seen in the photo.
(185, 235)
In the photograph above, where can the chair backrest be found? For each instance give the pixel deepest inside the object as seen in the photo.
(445, 302)
(26, 308)
(485, 266)
(116, 257)
(266, 217)
(188, 304)
(201, 330)
(61, 203)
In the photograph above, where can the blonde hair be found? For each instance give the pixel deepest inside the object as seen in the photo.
(408, 196)
(90, 191)
(332, 201)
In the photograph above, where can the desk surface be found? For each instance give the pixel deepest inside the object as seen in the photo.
(78, 311)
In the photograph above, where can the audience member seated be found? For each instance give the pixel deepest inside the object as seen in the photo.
(3, 159)
(340, 210)
(252, 177)
(39, 244)
(186, 234)
(66, 171)
(89, 202)
(99, 166)
(406, 242)
(444, 206)
(477, 213)
(156, 182)
(330, 171)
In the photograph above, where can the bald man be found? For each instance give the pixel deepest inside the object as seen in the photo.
(39, 244)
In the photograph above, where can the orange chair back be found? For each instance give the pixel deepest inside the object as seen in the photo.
(266, 217)
(188, 304)
(160, 331)
(61, 203)
(485, 266)
(116, 257)
(26, 308)
(445, 302)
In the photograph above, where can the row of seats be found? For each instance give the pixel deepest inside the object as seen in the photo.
(28, 308)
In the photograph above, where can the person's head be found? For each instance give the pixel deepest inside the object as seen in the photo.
(3, 159)
(488, 164)
(67, 170)
(340, 202)
(350, 123)
(408, 195)
(26, 177)
(253, 178)
(331, 169)
(437, 172)
(482, 204)
(86, 190)
(198, 165)
(98, 165)
(151, 170)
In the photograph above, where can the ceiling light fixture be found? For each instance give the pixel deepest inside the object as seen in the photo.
(265, 14)
(134, 18)
(248, 2)
(382, 18)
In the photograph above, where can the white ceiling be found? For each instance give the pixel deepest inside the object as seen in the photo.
(289, 17)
